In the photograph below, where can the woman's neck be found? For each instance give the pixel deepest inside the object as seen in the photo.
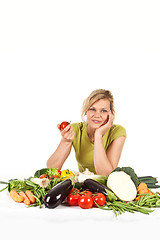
(91, 132)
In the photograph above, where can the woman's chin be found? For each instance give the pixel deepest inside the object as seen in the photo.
(96, 126)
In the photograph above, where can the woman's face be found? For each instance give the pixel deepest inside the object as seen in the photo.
(97, 114)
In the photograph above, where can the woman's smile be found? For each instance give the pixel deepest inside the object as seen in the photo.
(96, 121)
(97, 114)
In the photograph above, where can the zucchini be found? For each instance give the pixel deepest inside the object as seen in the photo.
(150, 181)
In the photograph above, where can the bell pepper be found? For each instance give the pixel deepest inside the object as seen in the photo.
(66, 174)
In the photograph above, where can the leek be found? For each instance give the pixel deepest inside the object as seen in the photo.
(80, 177)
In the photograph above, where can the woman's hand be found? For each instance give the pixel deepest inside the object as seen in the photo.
(102, 130)
(67, 133)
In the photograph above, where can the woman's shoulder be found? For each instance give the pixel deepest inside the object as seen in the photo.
(78, 126)
(118, 130)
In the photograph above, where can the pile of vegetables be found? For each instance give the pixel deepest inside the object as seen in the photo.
(43, 180)
(121, 191)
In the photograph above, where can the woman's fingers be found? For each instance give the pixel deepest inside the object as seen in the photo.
(58, 125)
(70, 136)
(110, 117)
(67, 133)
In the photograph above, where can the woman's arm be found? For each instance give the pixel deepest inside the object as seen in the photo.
(63, 150)
(106, 162)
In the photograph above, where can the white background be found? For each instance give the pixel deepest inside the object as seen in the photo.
(53, 54)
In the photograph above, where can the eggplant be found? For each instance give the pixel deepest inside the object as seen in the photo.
(95, 186)
(58, 193)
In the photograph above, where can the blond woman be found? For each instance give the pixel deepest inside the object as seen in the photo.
(98, 143)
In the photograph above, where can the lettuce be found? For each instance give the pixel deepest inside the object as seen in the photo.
(49, 171)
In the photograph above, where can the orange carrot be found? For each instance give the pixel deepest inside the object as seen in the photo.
(138, 197)
(151, 193)
(144, 191)
(30, 196)
(26, 199)
(15, 196)
(142, 185)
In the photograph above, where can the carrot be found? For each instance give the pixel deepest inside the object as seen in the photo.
(30, 196)
(26, 199)
(144, 191)
(151, 193)
(142, 185)
(138, 197)
(15, 196)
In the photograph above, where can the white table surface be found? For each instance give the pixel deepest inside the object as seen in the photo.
(16, 218)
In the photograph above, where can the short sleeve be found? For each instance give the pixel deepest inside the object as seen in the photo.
(75, 127)
(115, 132)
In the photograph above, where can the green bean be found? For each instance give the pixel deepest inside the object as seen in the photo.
(119, 207)
(158, 203)
(150, 200)
(141, 201)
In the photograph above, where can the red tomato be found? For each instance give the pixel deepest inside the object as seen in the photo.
(86, 193)
(72, 199)
(44, 176)
(53, 177)
(100, 199)
(85, 202)
(59, 171)
(63, 125)
(75, 190)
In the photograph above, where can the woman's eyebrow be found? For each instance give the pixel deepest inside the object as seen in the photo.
(100, 108)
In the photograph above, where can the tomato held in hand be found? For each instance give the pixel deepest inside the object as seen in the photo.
(85, 202)
(100, 199)
(63, 125)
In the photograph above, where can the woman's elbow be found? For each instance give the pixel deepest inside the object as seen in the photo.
(48, 164)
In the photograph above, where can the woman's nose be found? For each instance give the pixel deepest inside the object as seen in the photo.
(97, 114)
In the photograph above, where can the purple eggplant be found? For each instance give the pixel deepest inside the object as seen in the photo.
(58, 194)
(95, 186)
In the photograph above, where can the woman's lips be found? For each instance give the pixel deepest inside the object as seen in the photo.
(96, 121)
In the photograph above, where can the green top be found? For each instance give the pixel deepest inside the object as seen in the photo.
(84, 147)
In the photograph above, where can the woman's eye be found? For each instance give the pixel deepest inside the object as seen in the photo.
(104, 110)
(92, 109)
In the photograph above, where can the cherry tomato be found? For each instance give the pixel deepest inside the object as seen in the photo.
(100, 199)
(53, 177)
(59, 171)
(85, 202)
(86, 193)
(75, 190)
(63, 125)
(44, 176)
(72, 199)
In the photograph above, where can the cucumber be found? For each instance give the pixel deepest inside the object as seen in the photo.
(150, 181)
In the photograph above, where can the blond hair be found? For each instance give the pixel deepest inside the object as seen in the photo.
(95, 96)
